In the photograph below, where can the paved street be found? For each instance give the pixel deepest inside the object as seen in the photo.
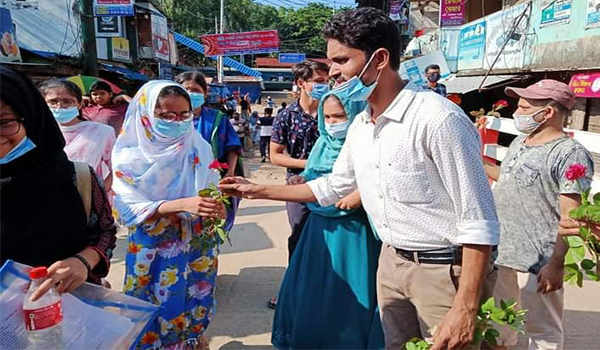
(251, 270)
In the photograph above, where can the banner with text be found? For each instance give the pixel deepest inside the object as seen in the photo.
(160, 37)
(113, 8)
(9, 50)
(592, 18)
(556, 12)
(452, 13)
(586, 85)
(499, 27)
(471, 46)
(231, 44)
(449, 46)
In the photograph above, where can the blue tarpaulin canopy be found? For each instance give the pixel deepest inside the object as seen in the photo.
(196, 46)
(128, 73)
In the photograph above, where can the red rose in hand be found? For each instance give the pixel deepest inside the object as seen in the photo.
(576, 172)
(216, 165)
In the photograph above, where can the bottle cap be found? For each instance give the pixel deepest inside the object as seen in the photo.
(38, 272)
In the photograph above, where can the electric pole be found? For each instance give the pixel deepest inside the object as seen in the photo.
(88, 36)
(220, 58)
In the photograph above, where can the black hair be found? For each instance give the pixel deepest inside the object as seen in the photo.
(195, 76)
(366, 29)
(101, 85)
(72, 88)
(432, 66)
(307, 69)
(173, 90)
(283, 104)
(269, 111)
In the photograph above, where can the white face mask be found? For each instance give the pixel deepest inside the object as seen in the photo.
(338, 130)
(526, 123)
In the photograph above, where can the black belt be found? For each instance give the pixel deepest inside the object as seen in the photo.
(444, 256)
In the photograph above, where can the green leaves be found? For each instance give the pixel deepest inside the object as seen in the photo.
(215, 226)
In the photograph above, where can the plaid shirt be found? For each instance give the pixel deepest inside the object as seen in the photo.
(439, 89)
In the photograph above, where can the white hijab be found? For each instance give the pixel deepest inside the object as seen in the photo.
(149, 168)
(91, 143)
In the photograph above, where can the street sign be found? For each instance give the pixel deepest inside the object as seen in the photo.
(292, 57)
(113, 8)
(233, 44)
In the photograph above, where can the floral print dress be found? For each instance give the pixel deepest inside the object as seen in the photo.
(174, 267)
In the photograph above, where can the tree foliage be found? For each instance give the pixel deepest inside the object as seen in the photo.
(299, 29)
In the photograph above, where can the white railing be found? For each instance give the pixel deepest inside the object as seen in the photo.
(494, 126)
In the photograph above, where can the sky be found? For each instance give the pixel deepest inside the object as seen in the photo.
(302, 3)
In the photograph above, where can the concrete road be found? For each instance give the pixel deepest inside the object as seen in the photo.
(251, 271)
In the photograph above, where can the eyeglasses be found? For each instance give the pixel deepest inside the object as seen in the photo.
(10, 127)
(173, 116)
(57, 103)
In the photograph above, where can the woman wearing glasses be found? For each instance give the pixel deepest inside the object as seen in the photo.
(160, 164)
(44, 219)
(88, 142)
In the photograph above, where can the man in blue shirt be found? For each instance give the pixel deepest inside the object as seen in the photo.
(432, 73)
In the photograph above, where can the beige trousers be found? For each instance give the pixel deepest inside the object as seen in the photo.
(544, 325)
(413, 298)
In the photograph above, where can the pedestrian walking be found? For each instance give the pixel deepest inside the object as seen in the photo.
(160, 165)
(265, 125)
(415, 158)
(213, 125)
(270, 102)
(240, 125)
(54, 212)
(245, 106)
(86, 141)
(433, 75)
(106, 108)
(335, 268)
(294, 133)
(254, 129)
(283, 107)
(532, 194)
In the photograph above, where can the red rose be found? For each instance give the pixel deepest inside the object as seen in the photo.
(575, 172)
(216, 165)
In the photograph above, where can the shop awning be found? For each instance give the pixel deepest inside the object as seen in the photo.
(196, 46)
(463, 85)
(127, 73)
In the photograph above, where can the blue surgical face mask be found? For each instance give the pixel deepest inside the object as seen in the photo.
(318, 90)
(172, 129)
(197, 99)
(23, 147)
(65, 115)
(338, 130)
(354, 89)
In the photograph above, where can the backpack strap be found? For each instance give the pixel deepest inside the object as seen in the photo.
(84, 186)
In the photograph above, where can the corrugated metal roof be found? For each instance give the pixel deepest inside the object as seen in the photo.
(462, 85)
(52, 28)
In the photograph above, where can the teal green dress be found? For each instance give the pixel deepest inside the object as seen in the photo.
(328, 297)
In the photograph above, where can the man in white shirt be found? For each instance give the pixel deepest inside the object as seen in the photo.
(415, 157)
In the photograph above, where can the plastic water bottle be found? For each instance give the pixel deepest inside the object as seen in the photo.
(44, 317)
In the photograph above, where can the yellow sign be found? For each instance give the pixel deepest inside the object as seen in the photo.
(120, 49)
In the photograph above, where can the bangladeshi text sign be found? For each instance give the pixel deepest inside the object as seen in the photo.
(452, 13)
(586, 85)
(113, 8)
(471, 45)
(592, 17)
(556, 12)
(230, 44)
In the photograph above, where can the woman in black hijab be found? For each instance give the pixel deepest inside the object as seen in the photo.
(43, 221)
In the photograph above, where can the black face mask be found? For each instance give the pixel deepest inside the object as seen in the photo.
(434, 77)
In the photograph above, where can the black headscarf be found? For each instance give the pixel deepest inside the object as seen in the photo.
(42, 219)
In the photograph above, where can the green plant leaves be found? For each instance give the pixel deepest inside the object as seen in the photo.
(204, 193)
(574, 255)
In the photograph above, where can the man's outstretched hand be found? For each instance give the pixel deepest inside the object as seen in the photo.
(240, 187)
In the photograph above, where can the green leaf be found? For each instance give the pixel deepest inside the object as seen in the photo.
(580, 279)
(574, 241)
(578, 213)
(489, 305)
(499, 316)
(571, 268)
(597, 198)
(410, 346)
(571, 278)
(204, 193)
(587, 264)
(574, 255)
(592, 275)
(593, 212)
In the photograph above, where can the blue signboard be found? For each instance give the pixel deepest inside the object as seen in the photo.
(292, 57)
(471, 46)
(104, 8)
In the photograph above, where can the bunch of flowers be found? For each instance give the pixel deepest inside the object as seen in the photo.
(216, 226)
(481, 115)
(588, 214)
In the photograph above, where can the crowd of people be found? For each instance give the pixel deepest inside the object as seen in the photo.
(395, 231)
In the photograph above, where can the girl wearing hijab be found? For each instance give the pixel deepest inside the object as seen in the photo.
(88, 142)
(213, 125)
(43, 219)
(160, 164)
(328, 296)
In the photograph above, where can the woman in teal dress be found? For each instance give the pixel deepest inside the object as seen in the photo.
(328, 296)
